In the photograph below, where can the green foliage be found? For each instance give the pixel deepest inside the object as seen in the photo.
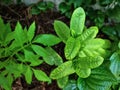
(102, 13)
(100, 79)
(82, 48)
(21, 51)
(41, 6)
(87, 57)
(115, 64)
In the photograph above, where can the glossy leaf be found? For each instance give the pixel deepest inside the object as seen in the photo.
(77, 21)
(87, 62)
(28, 75)
(94, 52)
(47, 39)
(62, 30)
(115, 63)
(88, 34)
(72, 47)
(100, 79)
(62, 70)
(62, 82)
(40, 75)
(31, 31)
(97, 43)
(83, 72)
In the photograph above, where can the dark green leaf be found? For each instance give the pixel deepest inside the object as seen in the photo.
(35, 10)
(100, 79)
(47, 39)
(62, 30)
(41, 76)
(77, 21)
(63, 7)
(72, 47)
(63, 70)
(50, 5)
(71, 85)
(115, 64)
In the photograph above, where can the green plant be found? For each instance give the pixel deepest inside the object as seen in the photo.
(87, 56)
(41, 7)
(21, 51)
(98, 13)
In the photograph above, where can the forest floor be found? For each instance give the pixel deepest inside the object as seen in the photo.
(44, 24)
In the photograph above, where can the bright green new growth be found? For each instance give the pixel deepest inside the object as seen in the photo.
(81, 47)
(21, 51)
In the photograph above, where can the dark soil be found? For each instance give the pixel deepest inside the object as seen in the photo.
(44, 24)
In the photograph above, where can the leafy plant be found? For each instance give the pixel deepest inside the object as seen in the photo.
(98, 13)
(21, 51)
(41, 7)
(85, 54)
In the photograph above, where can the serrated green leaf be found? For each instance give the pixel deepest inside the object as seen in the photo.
(62, 82)
(28, 75)
(32, 58)
(31, 31)
(43, 53)
(54, 56)
(5, 30)
(77, 21)
(6, 84)
(87, 62)
(47, 39)
(88, 34)
(13, 68)
(100, 79)
(72, 47)
(83, 72)
(41, 76)
(20, 35)
(62, 30)
(9, 38)
(115, 63)
(66, 69)
(10, 79)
